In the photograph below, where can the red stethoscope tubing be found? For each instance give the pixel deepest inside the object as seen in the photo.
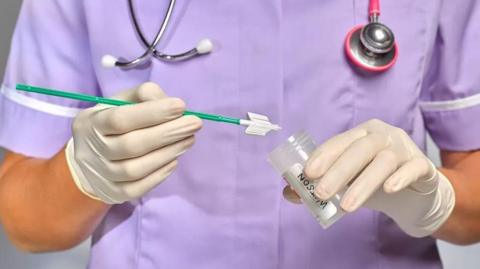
(374, 8)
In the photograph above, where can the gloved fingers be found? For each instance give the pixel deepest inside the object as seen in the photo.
(124, 119)
(144, 92)
(376, 126)
(327, 153)
(369, 181)
(350, 164)
(410, 172)
(143, 141)
(137, 168)
(118, 192)
(137, 189)
(290, 195)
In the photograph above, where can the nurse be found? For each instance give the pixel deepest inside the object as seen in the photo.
(158, 190)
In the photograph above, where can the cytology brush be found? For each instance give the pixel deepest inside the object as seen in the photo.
(256, 124)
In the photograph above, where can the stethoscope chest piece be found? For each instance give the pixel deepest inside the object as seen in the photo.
(372, 47)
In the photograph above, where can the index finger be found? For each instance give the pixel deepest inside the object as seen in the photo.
(326, 154)
(124, 119)
(144, 92)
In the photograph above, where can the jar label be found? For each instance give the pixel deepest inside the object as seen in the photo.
(323, 210)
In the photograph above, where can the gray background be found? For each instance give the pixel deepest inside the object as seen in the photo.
(452, 256)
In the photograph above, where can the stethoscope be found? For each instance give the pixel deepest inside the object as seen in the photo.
(370, 47)
(204, 46)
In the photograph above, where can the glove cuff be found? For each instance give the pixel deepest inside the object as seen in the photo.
(77, 174)
(441, 208)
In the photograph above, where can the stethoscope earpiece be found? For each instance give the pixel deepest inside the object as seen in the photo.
(109, 61)
(204, 46)
(372, 47)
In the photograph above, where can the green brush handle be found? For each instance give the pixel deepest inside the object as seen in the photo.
(213, 117)
(113, 102)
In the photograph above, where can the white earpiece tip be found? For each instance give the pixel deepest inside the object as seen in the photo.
(204, 46)
(108, 61)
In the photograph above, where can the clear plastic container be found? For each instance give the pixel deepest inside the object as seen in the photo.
(289, 159)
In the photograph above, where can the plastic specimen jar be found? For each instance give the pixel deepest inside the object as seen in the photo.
(289, 159)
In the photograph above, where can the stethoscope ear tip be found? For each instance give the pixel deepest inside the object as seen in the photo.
(204, 46)
(109, 61)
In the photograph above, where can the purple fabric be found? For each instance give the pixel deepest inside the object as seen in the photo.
(448, 128)
(223, 207)
(27, 131)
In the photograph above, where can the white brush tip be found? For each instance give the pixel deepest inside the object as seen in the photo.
(253, 130)
(108, 61)
(276, 127)
(261, 129)
(204, 46)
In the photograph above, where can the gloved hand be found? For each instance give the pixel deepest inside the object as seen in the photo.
(381, 168)
(118, 154)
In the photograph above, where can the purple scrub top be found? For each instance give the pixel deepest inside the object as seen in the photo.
(223, 207)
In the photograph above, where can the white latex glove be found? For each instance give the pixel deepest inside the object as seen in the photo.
(382, 168)
(118, 154)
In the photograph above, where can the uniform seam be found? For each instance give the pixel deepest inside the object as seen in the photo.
(139, 236)
(376, 219)
(279, 186)
(422, 68)
(237, 138)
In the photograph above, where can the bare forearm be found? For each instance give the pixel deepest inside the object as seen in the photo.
(40, 206)
(463, 171)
